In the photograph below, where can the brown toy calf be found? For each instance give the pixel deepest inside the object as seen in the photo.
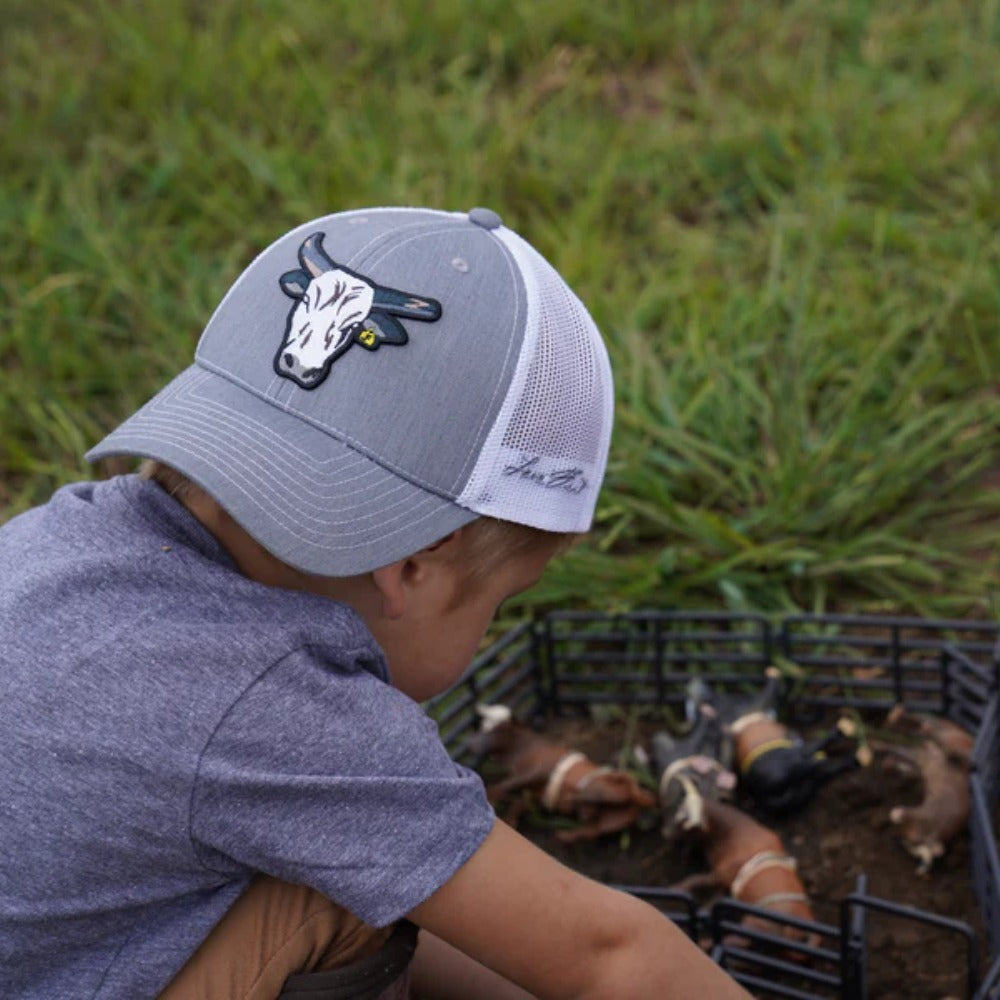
(565, 780)
(750, 862)
(942, 760)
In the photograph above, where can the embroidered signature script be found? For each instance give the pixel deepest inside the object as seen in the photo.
(572, 480)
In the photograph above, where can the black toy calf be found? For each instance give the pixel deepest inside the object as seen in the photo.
(776, 767)
(788, 772)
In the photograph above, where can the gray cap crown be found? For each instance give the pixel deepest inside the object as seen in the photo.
(345, 391)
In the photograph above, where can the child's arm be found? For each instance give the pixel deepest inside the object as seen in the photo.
(518, 911)
(442, 972)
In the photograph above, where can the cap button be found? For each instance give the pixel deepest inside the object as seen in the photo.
(485, 217)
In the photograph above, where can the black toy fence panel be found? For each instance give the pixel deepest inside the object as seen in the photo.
(870, 663)
(647, 658)
(966, 688)
(985, 829)
(966, 950)
(829, 661)
(762, 957)
(574, 659)
(984, 786)
(990, 987)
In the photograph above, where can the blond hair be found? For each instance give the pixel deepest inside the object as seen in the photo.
(490, 541)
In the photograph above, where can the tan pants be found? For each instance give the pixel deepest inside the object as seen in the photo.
(271, 932)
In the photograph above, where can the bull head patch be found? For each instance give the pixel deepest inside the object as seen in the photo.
(336, 307)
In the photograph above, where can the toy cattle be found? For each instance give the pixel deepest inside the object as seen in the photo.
(941, 758)
(689, 772)
(778, 769)
(749, 861)
(562, 779)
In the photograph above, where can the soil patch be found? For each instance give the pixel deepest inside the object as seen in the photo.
(842, 833)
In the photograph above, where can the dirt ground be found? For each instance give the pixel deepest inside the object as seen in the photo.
(842, 833)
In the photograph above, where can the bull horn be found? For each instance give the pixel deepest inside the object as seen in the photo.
(313, 257)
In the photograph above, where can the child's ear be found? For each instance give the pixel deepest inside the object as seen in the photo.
(389, 582)
(395, 581)
(445, 552)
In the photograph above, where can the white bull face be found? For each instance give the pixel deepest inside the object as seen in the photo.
(336, 307)
(322, 324)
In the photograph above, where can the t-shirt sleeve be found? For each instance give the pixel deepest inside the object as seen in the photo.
(324, 775)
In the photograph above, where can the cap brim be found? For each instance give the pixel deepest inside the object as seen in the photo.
(310, 499)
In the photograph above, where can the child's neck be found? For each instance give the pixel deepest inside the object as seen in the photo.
(251, 558)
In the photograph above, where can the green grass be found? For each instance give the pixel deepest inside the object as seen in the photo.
(784, 217)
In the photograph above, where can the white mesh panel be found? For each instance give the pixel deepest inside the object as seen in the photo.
(544, 459)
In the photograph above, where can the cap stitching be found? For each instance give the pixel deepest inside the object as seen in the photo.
(218, 415)
(312, 490)
(241, 479)
(336, 435)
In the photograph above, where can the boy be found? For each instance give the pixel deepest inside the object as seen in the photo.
(217, 778)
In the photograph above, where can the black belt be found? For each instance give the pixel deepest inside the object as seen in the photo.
(365, 979)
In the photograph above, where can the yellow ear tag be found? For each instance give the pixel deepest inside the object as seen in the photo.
(367, 337)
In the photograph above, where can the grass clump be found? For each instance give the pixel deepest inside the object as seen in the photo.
(783, 217)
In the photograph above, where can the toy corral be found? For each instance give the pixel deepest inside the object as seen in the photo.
(814, 799)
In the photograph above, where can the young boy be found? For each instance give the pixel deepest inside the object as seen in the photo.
(216, 778)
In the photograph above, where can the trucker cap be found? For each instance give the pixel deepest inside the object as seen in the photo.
(377, 378)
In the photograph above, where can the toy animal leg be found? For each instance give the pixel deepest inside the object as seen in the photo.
(607, 821)
(832, 766)
(515, 782)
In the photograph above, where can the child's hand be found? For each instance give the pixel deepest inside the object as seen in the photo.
(557, 934)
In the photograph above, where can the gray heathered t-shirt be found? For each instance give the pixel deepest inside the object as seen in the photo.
(168, 728)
